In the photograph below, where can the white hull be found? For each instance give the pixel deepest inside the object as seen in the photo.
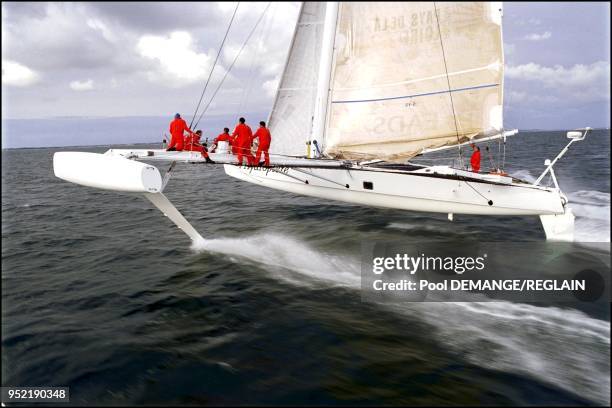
(408, 187)
(406, 191)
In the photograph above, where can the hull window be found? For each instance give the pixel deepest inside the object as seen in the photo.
(368, 185)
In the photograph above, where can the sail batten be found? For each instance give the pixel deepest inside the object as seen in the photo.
(422, 94)
(411, 76)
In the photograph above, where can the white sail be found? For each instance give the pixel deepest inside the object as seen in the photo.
(399, 87)
(292, 114)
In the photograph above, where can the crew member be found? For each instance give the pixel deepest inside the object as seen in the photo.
(223, 137)
(475, 159)
(241, 142)
(263, 134)
(192, 143)
(177, 129)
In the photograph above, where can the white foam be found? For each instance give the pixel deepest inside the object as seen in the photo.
(524, 175)
(563, 347)
(592, 210)
(285, 253)
(560, 346)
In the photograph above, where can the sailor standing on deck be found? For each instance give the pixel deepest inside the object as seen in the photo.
(475, 159)
(242, 139)
(263, 134)
(177, 129)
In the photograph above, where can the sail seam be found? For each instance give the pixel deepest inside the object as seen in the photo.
(450, 93)
(417, 95)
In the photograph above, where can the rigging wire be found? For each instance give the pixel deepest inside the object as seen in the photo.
(232, 64)
(264, 34)
(450, 93)
(214, 65)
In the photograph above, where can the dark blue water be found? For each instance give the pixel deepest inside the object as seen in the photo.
(103, 294)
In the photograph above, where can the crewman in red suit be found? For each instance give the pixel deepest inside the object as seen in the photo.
(263, 134)
(223, 137)
(475, 159)
(192, 144)
(177, 129)
(241, 142)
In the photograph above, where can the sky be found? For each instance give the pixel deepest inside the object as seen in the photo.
(151, 59)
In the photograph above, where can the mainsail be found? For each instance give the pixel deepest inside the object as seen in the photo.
(413, 75)
(292, 114)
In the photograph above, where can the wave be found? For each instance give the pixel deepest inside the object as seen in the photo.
(564, 347)
(591, 208)
(592, 211)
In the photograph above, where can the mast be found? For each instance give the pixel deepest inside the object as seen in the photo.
(324, 77)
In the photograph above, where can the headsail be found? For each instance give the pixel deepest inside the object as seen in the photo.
(292, 114)
(390, 95)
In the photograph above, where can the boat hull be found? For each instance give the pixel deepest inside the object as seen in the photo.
(406, 191)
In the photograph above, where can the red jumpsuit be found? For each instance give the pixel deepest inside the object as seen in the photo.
(223, 137)
(475, 161)
(241, 146)
(192, 144)
(177, 129)
(264, 145)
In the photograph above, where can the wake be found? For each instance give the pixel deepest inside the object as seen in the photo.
(283, 254)
(563, 347)
(591, 208)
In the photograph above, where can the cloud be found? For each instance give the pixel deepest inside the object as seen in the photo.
(98, 25)
(125, 47)
(270, 87)
(178, 62)
(596, 74)
(82, 85)
(557, 96)
(538, 37)
(158, 18)
(64, 37)
(262, 53)
(527, 21)
(16, 74)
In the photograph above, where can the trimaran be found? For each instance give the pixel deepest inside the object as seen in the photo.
(366, 87)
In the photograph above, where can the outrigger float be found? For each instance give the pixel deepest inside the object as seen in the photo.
(346, 106)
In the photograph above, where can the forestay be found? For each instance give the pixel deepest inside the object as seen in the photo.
(292, 114)
(391, 96)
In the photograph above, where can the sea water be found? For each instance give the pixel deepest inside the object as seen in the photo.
(103, 294)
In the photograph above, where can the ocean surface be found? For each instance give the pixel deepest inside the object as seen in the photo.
(103, 294)
(71, 131)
